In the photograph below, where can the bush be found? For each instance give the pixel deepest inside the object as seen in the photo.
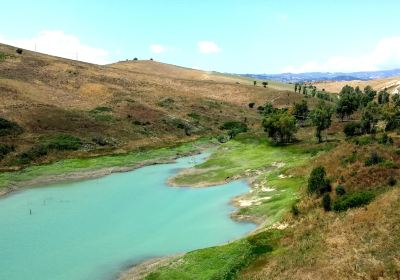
(326, 202)
(101, 109)
(352, 129)
(352, 200)
(32, 154)
(385, 139)
(373, 159)
(317, 183)
(261, 243)
(5, 150)
(340, 190)
(19, 51)
(7, 127)
(99, 140)
(251, 104)
(234, 128)
(392, 181)
(295, 210)
(64, 142)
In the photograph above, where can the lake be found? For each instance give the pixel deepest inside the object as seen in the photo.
(94, 229)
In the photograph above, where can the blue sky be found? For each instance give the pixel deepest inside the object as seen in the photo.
(237, 36)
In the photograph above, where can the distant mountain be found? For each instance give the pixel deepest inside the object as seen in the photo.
(325, 76)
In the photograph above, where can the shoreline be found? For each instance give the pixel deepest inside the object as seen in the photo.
(87, 174)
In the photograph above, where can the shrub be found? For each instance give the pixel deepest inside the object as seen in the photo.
(64, 142)
(373, 159)
(5, 150)
(317, 183)
(234, 128)
(7, 127)
(3, 56)
(352, 129)
(99, 140)
(251, 104)
(32, 154)
(385, 139)
(392, 181)
(352, 200)
(260, 243)
(222, 139)
(326, 202)
(19, 51)
(340, 190)
(101, 109)
(295, 210)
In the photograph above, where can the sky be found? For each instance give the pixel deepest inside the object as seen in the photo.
(235, 36)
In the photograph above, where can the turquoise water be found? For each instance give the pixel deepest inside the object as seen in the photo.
(94, 229)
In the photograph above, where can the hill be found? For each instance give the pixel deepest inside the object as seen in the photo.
(326, 76)
(392, 84)
(117, 107)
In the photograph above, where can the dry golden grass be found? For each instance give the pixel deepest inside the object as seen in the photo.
(379, 84)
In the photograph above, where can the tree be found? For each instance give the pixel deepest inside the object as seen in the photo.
(346, 105)
(370, 117)
(234, 128)
(255, 83)
(317, 182)
(295, 87)
(322, 119)
(135, 59)
(300, 111)
(19, 51)
(396, 100)
(299, 88)
(280, 126)
(367, 96)
(251, 104)
(265, 84)
(304, 90)
(383, 97)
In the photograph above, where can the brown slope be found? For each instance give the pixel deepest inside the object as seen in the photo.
(147, 101)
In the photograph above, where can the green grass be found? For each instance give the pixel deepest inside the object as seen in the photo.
(236, 157)
(73, 165)
(221, 262)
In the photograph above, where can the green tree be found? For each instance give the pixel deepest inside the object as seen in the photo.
(367, 96)
(280, 126)
(322, 119)
(255, 83)
(300, 111)
(370, 117)
(396, 100)
(346, 105)
(317, 182)
(304, 90)
(295, 87)
(265, 84)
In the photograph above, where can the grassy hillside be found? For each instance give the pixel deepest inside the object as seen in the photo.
(114, 108)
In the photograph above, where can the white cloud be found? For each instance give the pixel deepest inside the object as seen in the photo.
(158, 48)
(386, 55)
(208, 47)
(56, 42)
